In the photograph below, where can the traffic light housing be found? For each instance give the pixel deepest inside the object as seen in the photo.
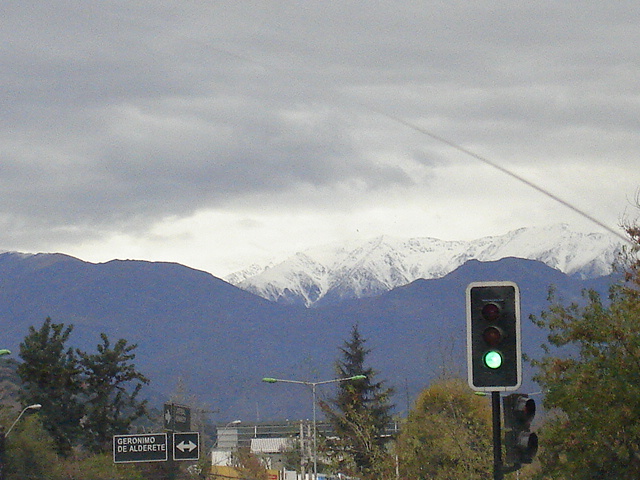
(494, 355)
(521, 444)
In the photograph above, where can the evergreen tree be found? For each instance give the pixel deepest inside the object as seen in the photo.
(84, 397)
(359, 414)
(51, 376)
(112, 385)
(591, 378)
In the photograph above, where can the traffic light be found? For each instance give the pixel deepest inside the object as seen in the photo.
(493, 336)
(521, 444)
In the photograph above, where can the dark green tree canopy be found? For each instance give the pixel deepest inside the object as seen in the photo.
(51, 376)
(359, 414)
(86, 398)
(111, 388)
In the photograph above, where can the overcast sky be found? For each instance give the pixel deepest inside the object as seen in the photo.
(221, 133)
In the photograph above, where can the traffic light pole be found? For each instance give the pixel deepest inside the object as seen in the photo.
(498, 471)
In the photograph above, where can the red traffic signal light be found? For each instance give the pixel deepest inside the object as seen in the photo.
(491, 312)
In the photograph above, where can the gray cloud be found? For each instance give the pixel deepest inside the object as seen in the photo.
(118, 114)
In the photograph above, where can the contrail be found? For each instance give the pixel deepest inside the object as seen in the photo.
(498, 167)
(453, 145)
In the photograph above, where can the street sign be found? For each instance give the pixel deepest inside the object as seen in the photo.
(146, 447)
(186, 446)
(177, 418)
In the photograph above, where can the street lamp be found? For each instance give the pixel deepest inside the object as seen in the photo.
(313, 386)
(35, 406)
(3, 435)
(225, 430)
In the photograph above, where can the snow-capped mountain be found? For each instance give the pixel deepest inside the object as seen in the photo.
(333, 273)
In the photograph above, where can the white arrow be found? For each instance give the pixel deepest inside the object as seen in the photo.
(167, 416)
(186, 447)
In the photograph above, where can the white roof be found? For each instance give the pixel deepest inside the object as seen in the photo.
(269, 445)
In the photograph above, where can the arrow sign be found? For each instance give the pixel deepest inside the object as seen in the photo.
(186, 446)
(177, 417)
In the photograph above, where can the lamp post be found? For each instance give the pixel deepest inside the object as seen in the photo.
(221, 455)
(3, 435)
(313, 386)
(224, 429)
(35, 406)
(3, 352)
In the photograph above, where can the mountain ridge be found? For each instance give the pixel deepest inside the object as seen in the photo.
(219, 340)
(334, 273)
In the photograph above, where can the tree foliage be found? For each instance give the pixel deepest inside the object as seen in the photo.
(30, 450)
(248, 465)
(51, 376)
(111, 388)
(447, 435)
(590, 374)
(86, 398)
(359, 414)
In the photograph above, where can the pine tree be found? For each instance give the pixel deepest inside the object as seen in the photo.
(86, 398)
(359, 414)
(51, 376)
(112, 385)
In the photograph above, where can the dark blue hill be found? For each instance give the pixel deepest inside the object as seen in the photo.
(221, 340)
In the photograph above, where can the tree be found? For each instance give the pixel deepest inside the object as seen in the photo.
(111, 385)
(590, 374)
(30, 450)
(248, 465)
(51, 376)
(447, 435)
(94, 467)
(84, 396)
(359, 415)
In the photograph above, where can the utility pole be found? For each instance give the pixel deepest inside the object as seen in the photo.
(498, 471)
(2, 454)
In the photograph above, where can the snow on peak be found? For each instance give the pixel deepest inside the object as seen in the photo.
(357, 269)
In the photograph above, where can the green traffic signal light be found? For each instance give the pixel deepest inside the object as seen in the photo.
(492, 359)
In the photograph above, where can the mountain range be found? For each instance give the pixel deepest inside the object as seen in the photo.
(219, 341)
(334, 273)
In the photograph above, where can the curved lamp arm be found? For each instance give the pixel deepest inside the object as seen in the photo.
(35, 406)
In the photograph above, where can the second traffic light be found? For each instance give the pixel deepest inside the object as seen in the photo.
(521, 444)
(493, 336)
